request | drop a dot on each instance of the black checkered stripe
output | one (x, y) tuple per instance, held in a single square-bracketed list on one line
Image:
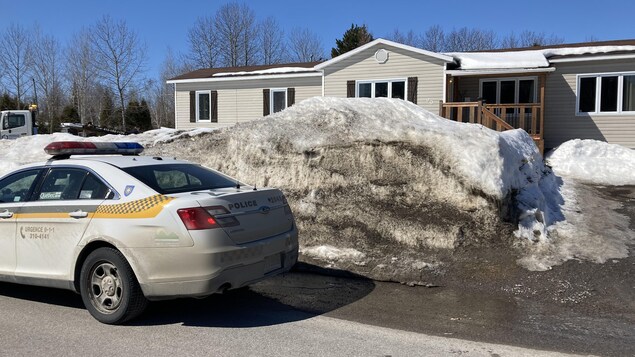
[(145, 205)]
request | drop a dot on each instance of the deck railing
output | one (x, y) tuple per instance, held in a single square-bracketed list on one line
[(500, 117)]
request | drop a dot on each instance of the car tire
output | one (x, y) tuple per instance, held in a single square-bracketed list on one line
[(109, 287)]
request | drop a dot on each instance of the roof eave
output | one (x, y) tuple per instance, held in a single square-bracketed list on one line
[(245, 77), (382, 41)]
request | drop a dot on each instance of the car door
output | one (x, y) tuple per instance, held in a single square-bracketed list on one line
[(14, 190), (50, 226)]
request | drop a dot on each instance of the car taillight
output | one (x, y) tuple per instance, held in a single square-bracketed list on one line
[(219, 212), (197, 218)]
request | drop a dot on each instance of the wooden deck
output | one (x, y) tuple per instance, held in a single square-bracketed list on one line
[(499, 117)]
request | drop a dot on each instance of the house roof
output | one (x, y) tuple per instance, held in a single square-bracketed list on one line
[(381, 41), (630, 42), (246, 71), (542, 56)]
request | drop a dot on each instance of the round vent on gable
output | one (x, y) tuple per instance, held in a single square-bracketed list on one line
[(381, 56)]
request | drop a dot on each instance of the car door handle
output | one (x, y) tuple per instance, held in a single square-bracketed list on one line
[(6, 214), (78, 214)]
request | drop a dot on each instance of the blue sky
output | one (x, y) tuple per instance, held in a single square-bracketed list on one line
[(163, 24)]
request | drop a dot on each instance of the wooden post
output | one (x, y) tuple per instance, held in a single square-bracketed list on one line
[(441, 111), (479, 112), (522, 118)]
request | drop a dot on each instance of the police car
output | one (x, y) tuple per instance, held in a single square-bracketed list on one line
[(125, 229)]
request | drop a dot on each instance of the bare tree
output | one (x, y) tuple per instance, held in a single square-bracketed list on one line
[(47, 70), (465, 39), (237, 34), (80, 73), (16, 60), (529, 39), (510, 41), (433, 39), (271, 41), (119, 57), (162, 98), (409, 38), (204, 43), (304, 46)]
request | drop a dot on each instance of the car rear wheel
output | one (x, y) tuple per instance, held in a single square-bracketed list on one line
[(109, 288)]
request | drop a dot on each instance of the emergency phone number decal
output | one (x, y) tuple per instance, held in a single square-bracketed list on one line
[(36, 232)]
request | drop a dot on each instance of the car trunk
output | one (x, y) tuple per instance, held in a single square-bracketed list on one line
[(259, 214)]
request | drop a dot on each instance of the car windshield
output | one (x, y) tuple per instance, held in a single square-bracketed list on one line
[(175, 178)]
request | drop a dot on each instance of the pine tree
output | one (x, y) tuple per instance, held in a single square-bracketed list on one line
[(353, 38)]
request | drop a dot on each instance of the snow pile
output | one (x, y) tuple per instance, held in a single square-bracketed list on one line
[(526, 59), (371, 171), (594, 162), (278, 70), (331, 253), (28, 149)]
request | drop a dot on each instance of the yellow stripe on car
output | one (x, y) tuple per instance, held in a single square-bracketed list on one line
[(144, 208)]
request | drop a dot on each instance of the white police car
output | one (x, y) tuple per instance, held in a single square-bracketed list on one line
[(125, 229)]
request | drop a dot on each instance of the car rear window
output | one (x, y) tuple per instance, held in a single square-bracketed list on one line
[(175, 178)]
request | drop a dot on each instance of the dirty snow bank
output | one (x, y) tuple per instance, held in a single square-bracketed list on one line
[(594, 162), (385, 176)]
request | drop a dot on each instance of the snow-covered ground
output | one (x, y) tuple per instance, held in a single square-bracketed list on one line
[(370, 178)]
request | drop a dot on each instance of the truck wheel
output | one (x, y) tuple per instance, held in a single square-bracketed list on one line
[(109, 288)]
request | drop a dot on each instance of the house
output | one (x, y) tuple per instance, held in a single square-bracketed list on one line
[(555, 93)]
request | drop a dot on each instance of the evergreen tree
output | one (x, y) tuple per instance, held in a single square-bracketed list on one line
[(138, 116), (7, 102), (353, 38)]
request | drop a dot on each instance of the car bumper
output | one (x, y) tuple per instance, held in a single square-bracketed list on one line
[(202, 270)]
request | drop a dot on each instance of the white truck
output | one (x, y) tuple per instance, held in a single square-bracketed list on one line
[(17, 123)]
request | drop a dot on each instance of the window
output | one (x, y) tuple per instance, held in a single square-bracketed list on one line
[(508, 90), (174, 178), (13, 121), (382, 89), (278, 100), (610, 93), (203, 102), (94, 189), (16, 187), (62, 184)]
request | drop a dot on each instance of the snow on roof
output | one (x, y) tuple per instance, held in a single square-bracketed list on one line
[(526, 59), (278, 70), (491, 60), (594, 162)]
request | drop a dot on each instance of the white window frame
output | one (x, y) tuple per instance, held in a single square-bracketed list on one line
[(372, 86), (209, 94), (286, 99), (516, 87), (598, 93)]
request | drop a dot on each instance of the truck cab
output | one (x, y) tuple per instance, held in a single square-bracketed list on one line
[(16, 123)]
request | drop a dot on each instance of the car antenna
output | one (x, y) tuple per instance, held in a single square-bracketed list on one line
[(237, 184), (255, 189)]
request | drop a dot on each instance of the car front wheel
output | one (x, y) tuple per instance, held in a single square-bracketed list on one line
[(109, 288)]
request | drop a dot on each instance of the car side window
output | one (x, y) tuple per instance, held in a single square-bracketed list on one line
[(93, 189), (62, 184), (73, 184), (16, 187)]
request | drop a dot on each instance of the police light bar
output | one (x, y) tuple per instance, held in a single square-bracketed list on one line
[(63, 148)]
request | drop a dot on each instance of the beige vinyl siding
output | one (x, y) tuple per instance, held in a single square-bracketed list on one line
[(400, 64), (241, 100), (561, 122)]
